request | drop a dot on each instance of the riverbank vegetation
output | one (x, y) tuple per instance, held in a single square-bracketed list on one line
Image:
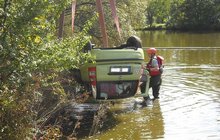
[(35, 65)]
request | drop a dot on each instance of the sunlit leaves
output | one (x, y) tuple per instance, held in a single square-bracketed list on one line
[(184, 14), (158, 11), (31, 57), (198, 14), (130, 13)]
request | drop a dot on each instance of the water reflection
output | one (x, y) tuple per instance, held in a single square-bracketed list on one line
[(134, 121), (180, 39), (191, 57), (154, 126)]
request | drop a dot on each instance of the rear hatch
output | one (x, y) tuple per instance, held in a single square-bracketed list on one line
[(115, 80), (117, 72)]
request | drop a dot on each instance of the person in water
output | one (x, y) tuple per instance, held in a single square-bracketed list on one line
[(155, 68)]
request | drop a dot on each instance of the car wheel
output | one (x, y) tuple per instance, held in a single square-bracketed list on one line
[(134, 41)]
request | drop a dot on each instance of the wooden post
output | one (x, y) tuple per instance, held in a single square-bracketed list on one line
[(115, 17), (102, 22), (61, 23), (73, 13)]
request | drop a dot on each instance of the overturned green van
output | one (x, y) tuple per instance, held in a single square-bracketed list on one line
[(115, 73)]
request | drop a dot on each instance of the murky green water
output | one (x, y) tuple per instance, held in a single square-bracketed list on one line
[(189, 104)]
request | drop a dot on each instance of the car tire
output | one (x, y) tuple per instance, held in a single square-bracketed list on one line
[(134, 42)]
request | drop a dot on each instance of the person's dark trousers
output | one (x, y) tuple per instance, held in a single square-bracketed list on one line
[(155, 82)]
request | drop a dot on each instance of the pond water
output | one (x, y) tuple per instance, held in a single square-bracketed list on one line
[(189, 104)]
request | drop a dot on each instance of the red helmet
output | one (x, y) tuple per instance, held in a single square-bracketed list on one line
[(151, 51)]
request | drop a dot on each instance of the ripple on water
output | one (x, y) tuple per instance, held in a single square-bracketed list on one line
[(190, 103)]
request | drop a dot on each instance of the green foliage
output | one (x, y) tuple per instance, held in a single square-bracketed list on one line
[(131, 16), (197, 13), (158, 11), (184, 14), (31, 58), (176, 14)]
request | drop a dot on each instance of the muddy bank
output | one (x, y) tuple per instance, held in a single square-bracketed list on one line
[(75, 120)]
